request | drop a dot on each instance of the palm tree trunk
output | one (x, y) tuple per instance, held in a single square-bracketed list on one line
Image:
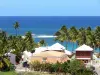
[(73, 47), (16, 32), (66, 44)]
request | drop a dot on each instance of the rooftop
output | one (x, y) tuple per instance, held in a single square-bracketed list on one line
[(84, 48)]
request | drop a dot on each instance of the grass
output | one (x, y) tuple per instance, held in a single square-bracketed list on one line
[(8, 73), (25, 73), (34, 73)]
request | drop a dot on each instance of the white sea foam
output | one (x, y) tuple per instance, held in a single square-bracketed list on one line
[(41, 36), (44, 36), (33, 34)]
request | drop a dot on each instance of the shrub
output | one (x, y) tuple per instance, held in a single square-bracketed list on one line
[(74, 67), (5, 64), (36, 66), (45, 66), (66, 67)]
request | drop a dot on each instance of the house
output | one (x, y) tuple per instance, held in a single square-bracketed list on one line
[(54, 47), (84, 53), (51, 54)]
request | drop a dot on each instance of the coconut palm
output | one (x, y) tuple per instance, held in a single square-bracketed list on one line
[(62, 35), (29, 41), (90, 38), (19, 45), (3, 43), (81, 38), (88, 31), (91, 41), (73, 35), (16, 26), (42, 43), (3, 49), (97, 37)]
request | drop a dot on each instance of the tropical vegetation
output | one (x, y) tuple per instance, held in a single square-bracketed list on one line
[(74, 67), (80, 36), (17, 44)]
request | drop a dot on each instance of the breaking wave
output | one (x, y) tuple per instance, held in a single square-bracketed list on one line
[(41, 36), (44, 36)]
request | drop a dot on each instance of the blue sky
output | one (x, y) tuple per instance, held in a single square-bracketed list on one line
[(49, 7)]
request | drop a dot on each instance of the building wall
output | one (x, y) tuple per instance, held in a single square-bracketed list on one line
[(49, 59), (83, 54)]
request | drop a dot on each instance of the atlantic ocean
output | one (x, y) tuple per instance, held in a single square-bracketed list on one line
[(46, 25)]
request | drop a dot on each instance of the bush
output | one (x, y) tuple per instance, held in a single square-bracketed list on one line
[(84, 71), (45, 67), (36, 66), (66, 67), (5, 64), (74, 67)]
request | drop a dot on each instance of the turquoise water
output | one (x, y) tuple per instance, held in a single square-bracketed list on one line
[(47, 25)]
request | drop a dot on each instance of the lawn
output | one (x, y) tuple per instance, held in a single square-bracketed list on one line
[(35, 73), (26, 73), (8, 73)]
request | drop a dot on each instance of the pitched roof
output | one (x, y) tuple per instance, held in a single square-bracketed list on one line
[(84, 48), (49, 54), (57, 46), (41, 49), (54, 47), (68, 52)]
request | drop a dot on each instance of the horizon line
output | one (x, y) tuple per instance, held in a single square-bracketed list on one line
[(49, 16)]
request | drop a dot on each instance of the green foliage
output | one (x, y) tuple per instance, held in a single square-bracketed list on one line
[(81, 36), (66, 67), (5, 64), (84, 72), (15, 44), (62, 35), (29, 42), (8, 73), (16, 26), (35, 65), (42, 43), (74, 67)]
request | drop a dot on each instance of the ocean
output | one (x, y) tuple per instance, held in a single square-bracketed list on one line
[(46, 26)]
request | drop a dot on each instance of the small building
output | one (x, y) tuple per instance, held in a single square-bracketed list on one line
[(12, 58), (84, 53), (55, 47), (50, 57), (51, 54)]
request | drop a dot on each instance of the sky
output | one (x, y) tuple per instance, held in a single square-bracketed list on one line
[(49, 7)]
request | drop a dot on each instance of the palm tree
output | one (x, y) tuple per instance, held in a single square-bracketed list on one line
[(97, 37), (29, 41), (73, 35), (62, 35), (81, 38), (3, 49), (88, 30), (90, 38), (91, 41), (16, 26), (42, 43), (3, 43)]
